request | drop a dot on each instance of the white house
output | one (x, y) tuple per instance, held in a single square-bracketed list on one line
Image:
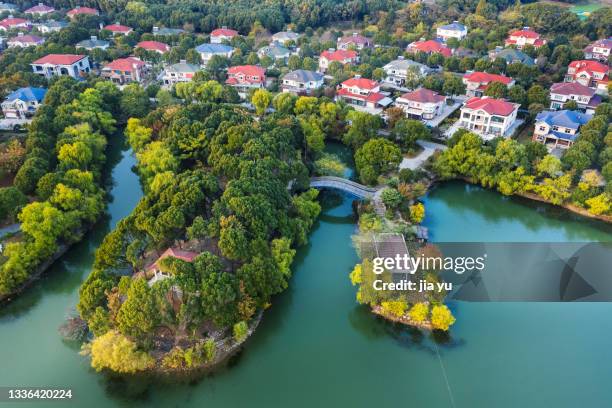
[(356, 41), (93, 43), (25, 40), (75, 66), (302, 82), (400, 71), (285, 37), (23, 103), (589, 73), (180, 72), (453, 30), (220, 35), (207, 51), (526, 36), (488, 117), (563, 92), (342, 56), (40, 10), (421, 103), (51, 26), (599, 50)]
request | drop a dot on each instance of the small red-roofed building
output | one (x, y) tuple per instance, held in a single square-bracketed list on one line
[(593, 74), (355, 40), (526, 36), (40, 10), (421, 103), (246, 77), (154, 46), (342, 56), (118, 29), (125, 70), (25, 40), (11, 23), (75, 66), (154, 271), (488, 117), (222, 34), (477, 82), (429, 47), (563, 92), (78, 10), (363, 94), (599, 50)]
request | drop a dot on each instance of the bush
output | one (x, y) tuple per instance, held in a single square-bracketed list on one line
[(441, 317), (11, 202), (419, 312), (241, 331), (396, 308)]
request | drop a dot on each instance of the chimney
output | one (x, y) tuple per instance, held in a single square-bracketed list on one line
[(94, 38), (357, 76), (331, 49), (183, 61), (400, 57), (10, 16), (155, 29)]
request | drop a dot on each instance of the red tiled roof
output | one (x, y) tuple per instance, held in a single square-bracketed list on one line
[(361, 83), (589, 66), (485, 78), (491, 106), (118, 28), (525, 33), (225, 32), (187, 256), (250, 70), (11, 22), (40, 8), (59, 59), (34, 39), (423, 95), (430, 46), (339, 55), (82, 10), (371, 97), (571, 88), (124, 64), (153, 46)]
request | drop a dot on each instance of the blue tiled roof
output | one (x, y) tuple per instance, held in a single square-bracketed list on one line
[(565, 136), (453, 26), (27, 94), (564, 118), (214, 48)]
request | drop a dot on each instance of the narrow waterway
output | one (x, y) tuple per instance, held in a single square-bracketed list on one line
[(317, 348)]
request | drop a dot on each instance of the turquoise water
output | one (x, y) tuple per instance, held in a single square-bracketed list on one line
[(317, 348)]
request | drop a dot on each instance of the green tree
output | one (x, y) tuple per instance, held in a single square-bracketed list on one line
[(408, 131), (116, 352), (497, 90), (137, 316), (376, 157), (261, 100)]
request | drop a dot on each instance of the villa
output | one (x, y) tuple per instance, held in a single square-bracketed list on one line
[(79, 11), (355, 41), (421, 104), (180, 72), (363, 94), (23, 103), (401, 70), (453, 30), (284, 37), (563, 92), (125, 70), (429, 47), (118, 29), (11, 23), (342, 56), (511, 56), (599, 50), (589, 73), (488, 117), (23, 41), (8, 8), (154, 46), (221, 35), (167, 31), (93, 43), (75, 66), (246, 77), (51, 26), (40, 10), (560, 128), (275, 51), (302, 82), (207, 51), (526, 36), (477, 82)]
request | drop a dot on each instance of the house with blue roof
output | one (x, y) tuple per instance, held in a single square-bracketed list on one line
[(511, 55), (452, 30), (559, 128), (209, 50), (23, 102)]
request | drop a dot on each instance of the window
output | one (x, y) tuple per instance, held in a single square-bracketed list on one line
[(555, 128)]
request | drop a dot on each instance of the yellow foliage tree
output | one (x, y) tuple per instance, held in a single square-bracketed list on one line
[(417, 213), (116, 352), (396, 308), (599, 204), (419, 312), (356, 275), (441, 317)]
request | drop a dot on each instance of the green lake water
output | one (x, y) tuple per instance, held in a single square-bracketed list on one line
[(317, 348)]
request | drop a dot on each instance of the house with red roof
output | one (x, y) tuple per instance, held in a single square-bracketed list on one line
[(526, 36), (356, 41), (246, 77), (118, 29), (155, 268), (589, 73), (488, 117), (220, 35), (40, 10), (429, 47), (25, 40), (342, 56), (72, 65), (599, 50), (125, 70), (363, 94), (11, 22), (154, 46), (78, 11), (421, 104), (477, 82), (563, 92)]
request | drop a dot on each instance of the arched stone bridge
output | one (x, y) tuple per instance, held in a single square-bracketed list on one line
[(348, 186)]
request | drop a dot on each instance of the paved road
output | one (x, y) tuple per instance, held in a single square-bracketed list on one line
[(428, 149)]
